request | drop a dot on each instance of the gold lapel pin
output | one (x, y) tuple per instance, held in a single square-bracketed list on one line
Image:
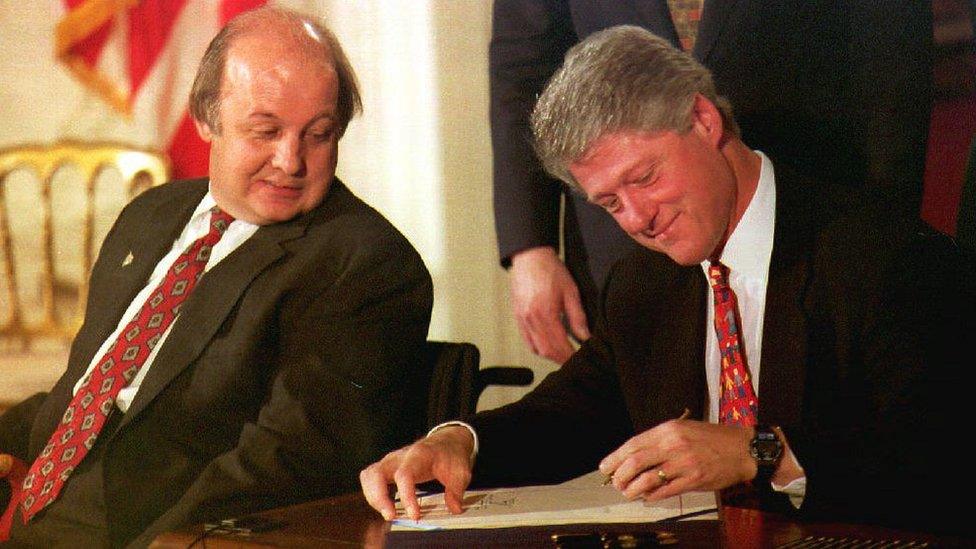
[(128, 259)]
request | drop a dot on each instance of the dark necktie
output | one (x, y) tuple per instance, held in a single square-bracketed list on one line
[(738, 404), (686, 14), (89, 409)]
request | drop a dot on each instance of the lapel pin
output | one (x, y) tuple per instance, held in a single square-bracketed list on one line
[(128, 259)]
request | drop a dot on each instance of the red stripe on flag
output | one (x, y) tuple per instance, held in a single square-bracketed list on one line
[(189, 154), (91, 47), (150, 25), (230, 8)]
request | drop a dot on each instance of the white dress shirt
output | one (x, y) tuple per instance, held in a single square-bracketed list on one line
[(197, 227), (747, 254)]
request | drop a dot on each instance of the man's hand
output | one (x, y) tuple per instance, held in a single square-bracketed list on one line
[(691, 455), (6, 463), (444, 456), (542, 292)]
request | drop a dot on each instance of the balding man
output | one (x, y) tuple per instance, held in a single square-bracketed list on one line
[(248, 337)]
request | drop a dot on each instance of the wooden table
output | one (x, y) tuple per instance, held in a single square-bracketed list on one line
[(347, 521)]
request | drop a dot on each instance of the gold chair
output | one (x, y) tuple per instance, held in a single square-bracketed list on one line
[(139, 169)]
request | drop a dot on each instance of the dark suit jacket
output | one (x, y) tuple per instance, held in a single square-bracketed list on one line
[(288, 371), (865, 364), (840, 90)]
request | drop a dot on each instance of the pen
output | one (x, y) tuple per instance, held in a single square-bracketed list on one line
[(609, 478)]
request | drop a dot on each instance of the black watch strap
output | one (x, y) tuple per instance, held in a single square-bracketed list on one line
[(767, 449)]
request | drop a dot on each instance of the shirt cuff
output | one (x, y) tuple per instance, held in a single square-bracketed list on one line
[(796, 489), (474, 435)]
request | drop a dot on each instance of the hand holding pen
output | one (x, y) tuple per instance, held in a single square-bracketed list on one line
[(608, 478), (680, 456)]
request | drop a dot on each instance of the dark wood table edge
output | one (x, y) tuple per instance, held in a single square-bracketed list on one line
[(347, 521)]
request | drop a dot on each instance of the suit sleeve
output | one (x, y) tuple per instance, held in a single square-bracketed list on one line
[(339, 398), (540, 439), (529, 39), (885, 401), (15, 426)]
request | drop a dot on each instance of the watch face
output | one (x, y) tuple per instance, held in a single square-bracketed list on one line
[(766, 446), (766, 450)]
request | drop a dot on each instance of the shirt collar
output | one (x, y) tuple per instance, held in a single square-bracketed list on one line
[(204, 207), (750, 245), (202, 212)]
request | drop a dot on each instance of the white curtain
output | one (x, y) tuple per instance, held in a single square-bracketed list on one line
[(421, 154)]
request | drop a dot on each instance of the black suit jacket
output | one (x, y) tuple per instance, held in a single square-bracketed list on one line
[(288, 371), (840, 90), (865, 364)]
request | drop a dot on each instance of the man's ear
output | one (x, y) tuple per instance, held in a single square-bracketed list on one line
[(707, 120), (203, 130)]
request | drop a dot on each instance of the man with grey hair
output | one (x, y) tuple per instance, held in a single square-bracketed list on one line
[(839, 90), (766, 333), (249, 337)]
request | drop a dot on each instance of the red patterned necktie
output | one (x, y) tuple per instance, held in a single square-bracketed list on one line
[(686, 15), (738, 404), (89, 409)]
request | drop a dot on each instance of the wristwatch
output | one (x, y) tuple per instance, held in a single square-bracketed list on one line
[(767, 449)]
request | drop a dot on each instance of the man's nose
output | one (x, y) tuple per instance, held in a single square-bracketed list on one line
[(288, 155), (635, 216)]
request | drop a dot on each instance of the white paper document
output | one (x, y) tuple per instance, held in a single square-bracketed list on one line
[(581, 500)]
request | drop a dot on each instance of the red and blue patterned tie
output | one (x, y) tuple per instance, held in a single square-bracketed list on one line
[(89, 409), (738, 404)]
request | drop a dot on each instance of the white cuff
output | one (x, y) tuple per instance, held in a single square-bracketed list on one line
[(474, 435), (796, 489)]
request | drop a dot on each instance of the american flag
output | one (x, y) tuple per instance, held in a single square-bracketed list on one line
[(147, 76)]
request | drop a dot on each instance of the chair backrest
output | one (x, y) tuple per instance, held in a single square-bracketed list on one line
[(139, 169), (453, 380), (457, 380), (966, 220)]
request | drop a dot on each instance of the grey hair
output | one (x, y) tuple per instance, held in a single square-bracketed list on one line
[(621, 78), (312, 35)]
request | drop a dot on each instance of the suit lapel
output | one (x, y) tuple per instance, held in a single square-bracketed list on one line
[(655, 16), (146, 246), (210, 304), (784, 347), (661, 356), (673, 367), (715, 14), (131, 263), (680, 351)]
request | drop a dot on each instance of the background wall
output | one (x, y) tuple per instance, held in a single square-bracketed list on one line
[(420, 154)]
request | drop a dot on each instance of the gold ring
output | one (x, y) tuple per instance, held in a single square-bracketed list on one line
[(663, 476)]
